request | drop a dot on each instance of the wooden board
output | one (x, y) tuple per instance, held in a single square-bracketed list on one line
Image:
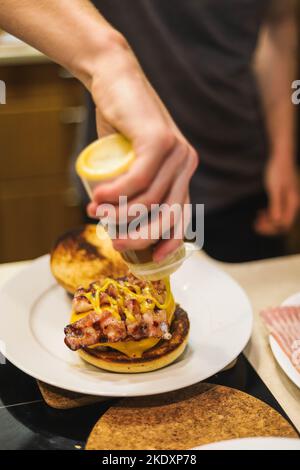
[(185, 419)]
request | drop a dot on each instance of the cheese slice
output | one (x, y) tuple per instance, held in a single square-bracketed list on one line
[(131, 348)]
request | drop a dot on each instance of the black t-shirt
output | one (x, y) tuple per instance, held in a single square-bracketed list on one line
[(198, 54)]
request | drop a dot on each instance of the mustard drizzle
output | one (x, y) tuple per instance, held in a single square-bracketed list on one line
[(141, 298)]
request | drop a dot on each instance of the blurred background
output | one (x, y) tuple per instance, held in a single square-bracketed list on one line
[(41, 128)]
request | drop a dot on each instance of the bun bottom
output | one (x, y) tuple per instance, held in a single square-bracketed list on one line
[(161, 355)]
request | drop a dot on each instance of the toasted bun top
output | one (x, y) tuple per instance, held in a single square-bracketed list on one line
[(84, 255)]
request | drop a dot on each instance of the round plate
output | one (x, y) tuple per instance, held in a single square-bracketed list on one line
[(34, 311), (254, 443), (279, 355)]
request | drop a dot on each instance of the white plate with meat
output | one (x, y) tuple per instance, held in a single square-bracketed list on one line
[(285, 339), (34, 311)]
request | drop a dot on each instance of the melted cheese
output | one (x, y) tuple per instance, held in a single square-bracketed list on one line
[(129, 348)]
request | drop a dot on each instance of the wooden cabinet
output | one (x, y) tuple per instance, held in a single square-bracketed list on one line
[(38, 130)]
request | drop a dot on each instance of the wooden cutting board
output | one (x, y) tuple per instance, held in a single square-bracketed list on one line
[(185, 419)]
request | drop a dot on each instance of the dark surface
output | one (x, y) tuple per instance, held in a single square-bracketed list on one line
[(239, 242), (26, 422)]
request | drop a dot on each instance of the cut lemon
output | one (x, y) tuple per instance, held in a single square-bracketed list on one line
[(105, 158)]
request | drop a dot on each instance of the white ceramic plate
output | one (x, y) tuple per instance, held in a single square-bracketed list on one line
[(279, 355), (34, 311), (254, 443)]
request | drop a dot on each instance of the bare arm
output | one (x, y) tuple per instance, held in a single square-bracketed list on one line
[(74, 34), (276, 67)]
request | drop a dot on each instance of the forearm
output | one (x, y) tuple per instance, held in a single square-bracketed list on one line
[(276, 68), (71, 32), (75, 35)]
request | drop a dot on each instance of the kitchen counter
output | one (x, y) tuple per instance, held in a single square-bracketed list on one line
[(15, 52), (268, 283)]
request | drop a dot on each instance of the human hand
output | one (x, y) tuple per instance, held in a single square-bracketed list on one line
[(281, 184), (165, 161)]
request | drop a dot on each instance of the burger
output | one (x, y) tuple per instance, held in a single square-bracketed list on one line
[(127, 325)]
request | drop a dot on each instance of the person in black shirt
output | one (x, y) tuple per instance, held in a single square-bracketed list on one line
[(199, 55)]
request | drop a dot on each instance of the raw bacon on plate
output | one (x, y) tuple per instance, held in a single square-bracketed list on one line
[(283, 324)]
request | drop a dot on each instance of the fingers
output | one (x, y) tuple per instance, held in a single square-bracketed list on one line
[(139, 177), (158, 189), (264, 225), (170, 213), (159, 226), (176, 173), (283, 192), (291, 208), (92, 209), (271, 221), (276, 204), (178, 162), (166, 247)]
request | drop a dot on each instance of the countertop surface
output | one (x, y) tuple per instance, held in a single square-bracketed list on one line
[(268, 283), (15, 52), (28, 423)]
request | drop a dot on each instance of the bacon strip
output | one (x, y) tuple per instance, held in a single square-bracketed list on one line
[(283, 324), (132, 324), (102, 328), (92, 329)]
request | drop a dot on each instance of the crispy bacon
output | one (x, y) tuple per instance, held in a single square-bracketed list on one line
[(156, 324), (84, 332), (80, 303), (102, 326), (112, 329), (133, 307), (94, 328)]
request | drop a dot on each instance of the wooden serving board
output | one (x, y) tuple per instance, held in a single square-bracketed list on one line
[(184, 419)]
